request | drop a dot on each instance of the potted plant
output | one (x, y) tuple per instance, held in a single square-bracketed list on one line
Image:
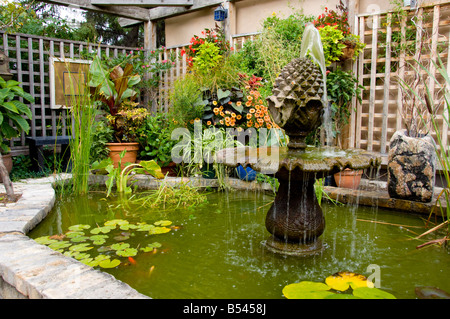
[(342, 86), (15, 112), (114, 88), (339, 43), (154, 137), (412, 151)]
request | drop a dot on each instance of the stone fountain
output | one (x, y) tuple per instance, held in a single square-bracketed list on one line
[(295, 219)]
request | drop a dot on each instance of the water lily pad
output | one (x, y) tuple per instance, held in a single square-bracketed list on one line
[(150, 247), (307, 290), (90, 262), (45, 240), (159, 230), (163, 223), (60, 245), (128, 227), (102, 257), (79, 227), (121, 237), (79, 239), (98, 239), (372, 293), (104, 248), (73, 233), (120, 246), (145, 227), (128, 252), (107, 263), (81, 256), (342, 281), (115, 222), (80, 247), (104, 230)]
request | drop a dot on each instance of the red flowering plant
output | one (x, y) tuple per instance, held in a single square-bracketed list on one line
[(215, 36), (335, 33), (337, 18)]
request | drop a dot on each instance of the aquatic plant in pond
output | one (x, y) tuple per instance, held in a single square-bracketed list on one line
[(342, 285), (105, 246)]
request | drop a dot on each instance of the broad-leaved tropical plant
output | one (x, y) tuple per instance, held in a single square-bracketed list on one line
[(13, 112)]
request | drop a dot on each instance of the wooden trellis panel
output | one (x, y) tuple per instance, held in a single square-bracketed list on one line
[(29, 63), (385, 60)]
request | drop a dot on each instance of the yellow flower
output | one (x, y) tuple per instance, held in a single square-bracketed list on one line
[(233, 114), (214, 102), (238, 103), (221, 122), (252, 111)]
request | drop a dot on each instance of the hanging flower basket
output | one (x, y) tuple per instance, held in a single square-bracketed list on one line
[(348, 51)]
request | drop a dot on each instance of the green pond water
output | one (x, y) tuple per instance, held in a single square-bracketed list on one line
[(215, 251)]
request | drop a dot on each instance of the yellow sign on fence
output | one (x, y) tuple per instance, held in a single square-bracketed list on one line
[(68, 80)]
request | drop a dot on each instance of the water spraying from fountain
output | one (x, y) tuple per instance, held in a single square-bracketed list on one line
[(295, 219)]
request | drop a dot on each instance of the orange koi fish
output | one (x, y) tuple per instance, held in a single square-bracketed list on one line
[(132, 261)]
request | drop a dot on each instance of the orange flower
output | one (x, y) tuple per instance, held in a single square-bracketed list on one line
[(238, 103), (256, 125), (221, 122), (249, 97), (249, 116), (267, 118), (233, 114), (269, 126), (248, 103), (260, 121), (249, 124), (238, 116), (208, 123), (252, 111), (216, 110), (222, 114), (260, 101), (191, 121)]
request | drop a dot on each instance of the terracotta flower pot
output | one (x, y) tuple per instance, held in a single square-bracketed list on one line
[(116, 148), (8, 162), (170, 169), (348, 178)]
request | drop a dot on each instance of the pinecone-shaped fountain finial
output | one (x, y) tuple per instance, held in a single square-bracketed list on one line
[(296, 104)]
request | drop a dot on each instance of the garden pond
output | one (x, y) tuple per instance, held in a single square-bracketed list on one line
[(214, 250)]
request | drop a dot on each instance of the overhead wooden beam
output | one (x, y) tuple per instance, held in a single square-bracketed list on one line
[(143, 3), (167, 12), (135, 13)]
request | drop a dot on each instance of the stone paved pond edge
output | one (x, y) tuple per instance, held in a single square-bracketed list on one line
[(34, 271)]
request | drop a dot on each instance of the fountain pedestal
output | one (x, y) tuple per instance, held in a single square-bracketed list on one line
[(295, 219)]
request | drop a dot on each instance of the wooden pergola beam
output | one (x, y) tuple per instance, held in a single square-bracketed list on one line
[(144, 3), (135, 13), (167, 12)]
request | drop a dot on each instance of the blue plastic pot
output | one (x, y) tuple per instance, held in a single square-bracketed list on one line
[(246, 174)]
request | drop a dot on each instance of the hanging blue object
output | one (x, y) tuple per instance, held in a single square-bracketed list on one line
[(220, 13)]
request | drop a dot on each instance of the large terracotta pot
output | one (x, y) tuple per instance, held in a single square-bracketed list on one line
[(116, 148), (348, 178), (8, 162)]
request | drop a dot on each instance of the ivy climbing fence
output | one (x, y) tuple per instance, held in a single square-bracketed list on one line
[(394, 42)]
